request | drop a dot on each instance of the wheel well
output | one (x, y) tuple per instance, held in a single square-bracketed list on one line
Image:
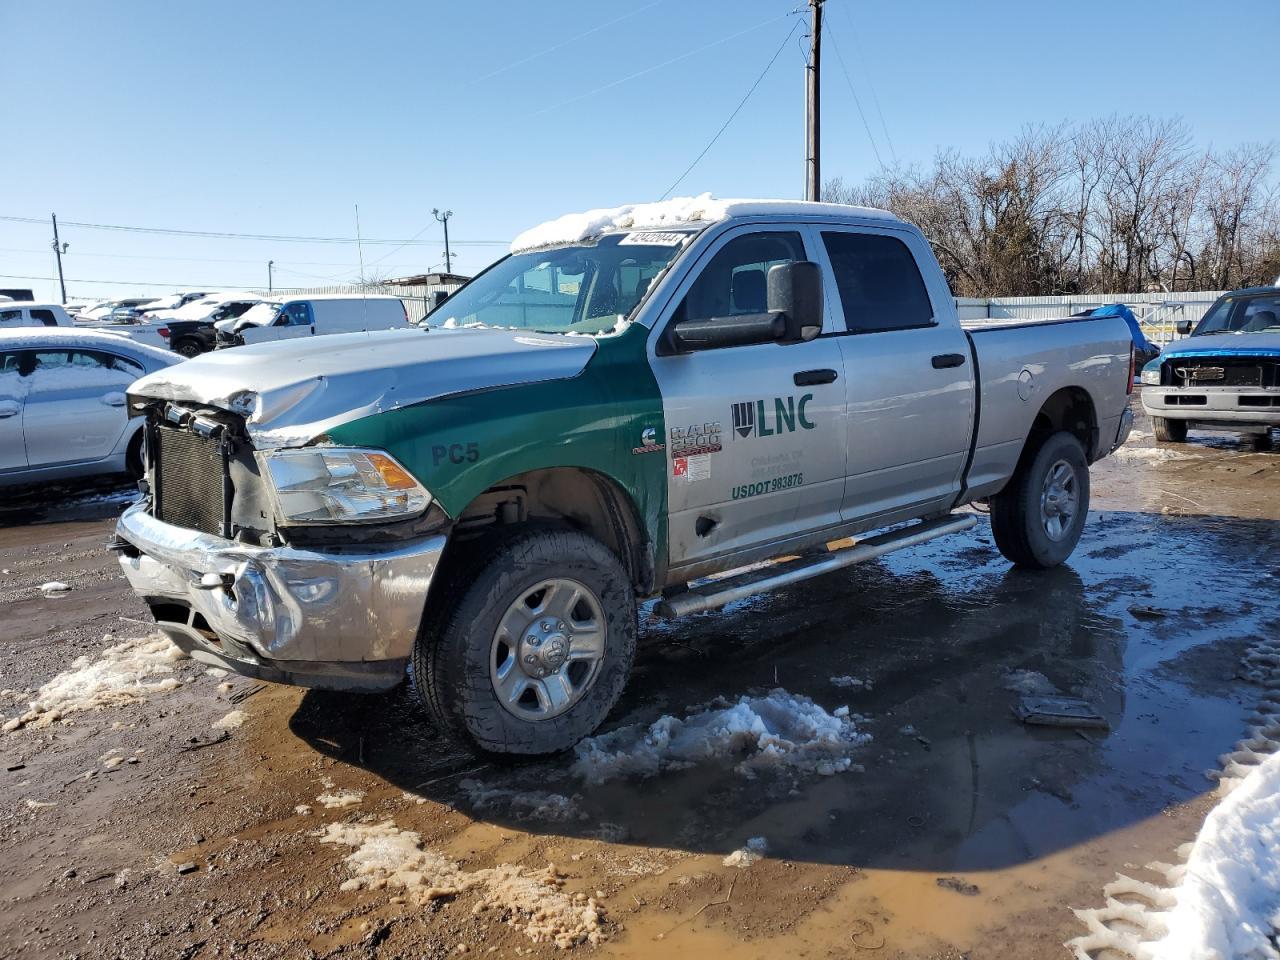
[(1070, 409), (570, 497)]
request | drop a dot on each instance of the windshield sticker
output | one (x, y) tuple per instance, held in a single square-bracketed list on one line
[(692, 469), (750, 418), (696, 439), (649, 442), (653, 239)]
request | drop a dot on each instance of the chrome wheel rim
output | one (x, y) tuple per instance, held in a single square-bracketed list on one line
[(547, 649), (1059, 500)]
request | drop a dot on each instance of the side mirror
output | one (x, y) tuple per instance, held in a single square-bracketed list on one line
[(438, 298), (794, 303), (1184, 328)]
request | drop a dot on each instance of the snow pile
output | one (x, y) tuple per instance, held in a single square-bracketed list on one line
[(231, 721), (1029, 683), (532, 901), (1228, 901), (575, 227), (522, 804), (125, 673), (777, 730), (339, 799), (53, 588), (745, 856)]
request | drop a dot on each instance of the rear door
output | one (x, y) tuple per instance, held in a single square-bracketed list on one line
[(910, 378), (13, 392), (755, 434), (75, 408)]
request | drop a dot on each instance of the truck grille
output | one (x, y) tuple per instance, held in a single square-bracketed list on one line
[(1224, 372), (190, 481)]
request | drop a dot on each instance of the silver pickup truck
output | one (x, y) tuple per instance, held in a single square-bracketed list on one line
[(636, 403)]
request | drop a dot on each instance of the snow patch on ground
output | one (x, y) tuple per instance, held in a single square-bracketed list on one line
[(1155, 454), (339, 799), (522, 804), (1228, 901), (1029, 683), (124, 673), (746, 855), (850, 683), (54, 587), (232, 721), (532, 901), (780, 730)]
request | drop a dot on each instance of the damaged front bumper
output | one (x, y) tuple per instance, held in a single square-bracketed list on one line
[(343, 618)]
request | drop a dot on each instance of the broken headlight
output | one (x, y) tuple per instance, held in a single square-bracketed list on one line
[(341, 485)]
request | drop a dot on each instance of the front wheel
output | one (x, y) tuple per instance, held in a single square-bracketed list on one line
[(533, 645), (1038, 517), (1169, 431)]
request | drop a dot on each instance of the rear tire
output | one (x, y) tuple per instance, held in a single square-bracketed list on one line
[(1261, 441), (477, 668), (1169, 431), (188, 349), (1038, 517)]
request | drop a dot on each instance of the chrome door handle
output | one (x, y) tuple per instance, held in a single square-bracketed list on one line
[(812, 378)]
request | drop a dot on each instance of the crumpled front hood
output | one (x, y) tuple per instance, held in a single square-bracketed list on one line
[(1213, 344), (292, 391)]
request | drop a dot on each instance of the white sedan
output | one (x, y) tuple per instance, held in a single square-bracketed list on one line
[(62, 403)]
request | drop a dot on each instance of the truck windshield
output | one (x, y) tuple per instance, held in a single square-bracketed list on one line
[(1242, 315), (585, 288)]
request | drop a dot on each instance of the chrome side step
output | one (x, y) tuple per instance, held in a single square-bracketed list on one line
[(709, 596)]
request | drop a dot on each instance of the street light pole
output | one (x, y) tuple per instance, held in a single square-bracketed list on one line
[(58, 250), (813, 106), (444, 218), (270, 264)]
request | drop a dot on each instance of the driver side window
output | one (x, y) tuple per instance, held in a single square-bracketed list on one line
[(735, 282)]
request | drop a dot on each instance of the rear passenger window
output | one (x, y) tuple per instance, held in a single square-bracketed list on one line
[(45, 316), (880, 285)]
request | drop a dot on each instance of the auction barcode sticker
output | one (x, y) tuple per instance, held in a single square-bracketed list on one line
[(653, 239)]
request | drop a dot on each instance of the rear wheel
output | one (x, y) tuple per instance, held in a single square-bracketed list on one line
[(534, 646), (1169, 431), (1038, 517), (188, 348)]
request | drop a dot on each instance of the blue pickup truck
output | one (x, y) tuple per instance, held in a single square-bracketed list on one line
[(1225, 375)]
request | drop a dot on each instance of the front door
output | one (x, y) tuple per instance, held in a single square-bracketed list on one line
[(755, 434), (292, 321), (75, 410), (13, 391), (910, 383)]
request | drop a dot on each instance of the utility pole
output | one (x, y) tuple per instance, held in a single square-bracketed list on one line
[(59, 249), (813, 106), (444, 218), (270, 264)]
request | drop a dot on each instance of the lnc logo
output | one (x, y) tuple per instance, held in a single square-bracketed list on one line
[(750, 417)]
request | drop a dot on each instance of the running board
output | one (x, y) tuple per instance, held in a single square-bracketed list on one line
[(710, 596)]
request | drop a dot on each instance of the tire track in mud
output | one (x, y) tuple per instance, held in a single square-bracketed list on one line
[(1133, 910)]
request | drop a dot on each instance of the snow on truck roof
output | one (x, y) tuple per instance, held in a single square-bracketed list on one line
[(677, 212)]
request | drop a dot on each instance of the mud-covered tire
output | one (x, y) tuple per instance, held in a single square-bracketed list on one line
[(1169, 431), (1019, 518), (451, 659)]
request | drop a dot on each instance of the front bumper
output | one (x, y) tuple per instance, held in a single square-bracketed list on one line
[(1241, 406), (344, 618)]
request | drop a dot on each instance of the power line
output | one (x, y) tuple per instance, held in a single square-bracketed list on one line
[(741, 103), (224, 235), (875, 97), (143, 256), (142, 283), (858, 103)]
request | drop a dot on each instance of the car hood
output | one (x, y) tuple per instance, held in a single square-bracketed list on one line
[(1214, 344), (292, 391)]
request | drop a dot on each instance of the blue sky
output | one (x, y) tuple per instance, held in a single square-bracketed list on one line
[(277, 117)]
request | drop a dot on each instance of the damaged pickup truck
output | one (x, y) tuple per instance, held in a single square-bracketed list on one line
[(634, 400)]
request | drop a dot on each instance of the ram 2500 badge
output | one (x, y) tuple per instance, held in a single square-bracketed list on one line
[(632, 400)]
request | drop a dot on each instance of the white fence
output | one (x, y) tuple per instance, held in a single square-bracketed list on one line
[(1158, 313), (417, 299)]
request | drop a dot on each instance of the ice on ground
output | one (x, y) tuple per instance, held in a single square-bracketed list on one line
[(1151, 453), (1029, 683), (1228, 900), (340, 799), (780, 730), (385, 856), (851, 683), (232, 721), (522, 804), (124, 673), (54, 587), (749, 853)]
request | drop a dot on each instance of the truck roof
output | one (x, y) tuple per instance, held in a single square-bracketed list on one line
[(678, 212)]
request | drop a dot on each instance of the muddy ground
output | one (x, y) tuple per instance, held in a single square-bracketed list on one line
[(964, 834)]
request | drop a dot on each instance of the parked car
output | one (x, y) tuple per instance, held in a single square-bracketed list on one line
[(62, 403), (191, 327), (691, 389), (153, 333), (17, 293), (100, 310), (173, 302), (1225, 375), (286, 318), (21, 313)]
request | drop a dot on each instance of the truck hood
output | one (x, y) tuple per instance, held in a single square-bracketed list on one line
[(1216, 344), (293, 391)]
